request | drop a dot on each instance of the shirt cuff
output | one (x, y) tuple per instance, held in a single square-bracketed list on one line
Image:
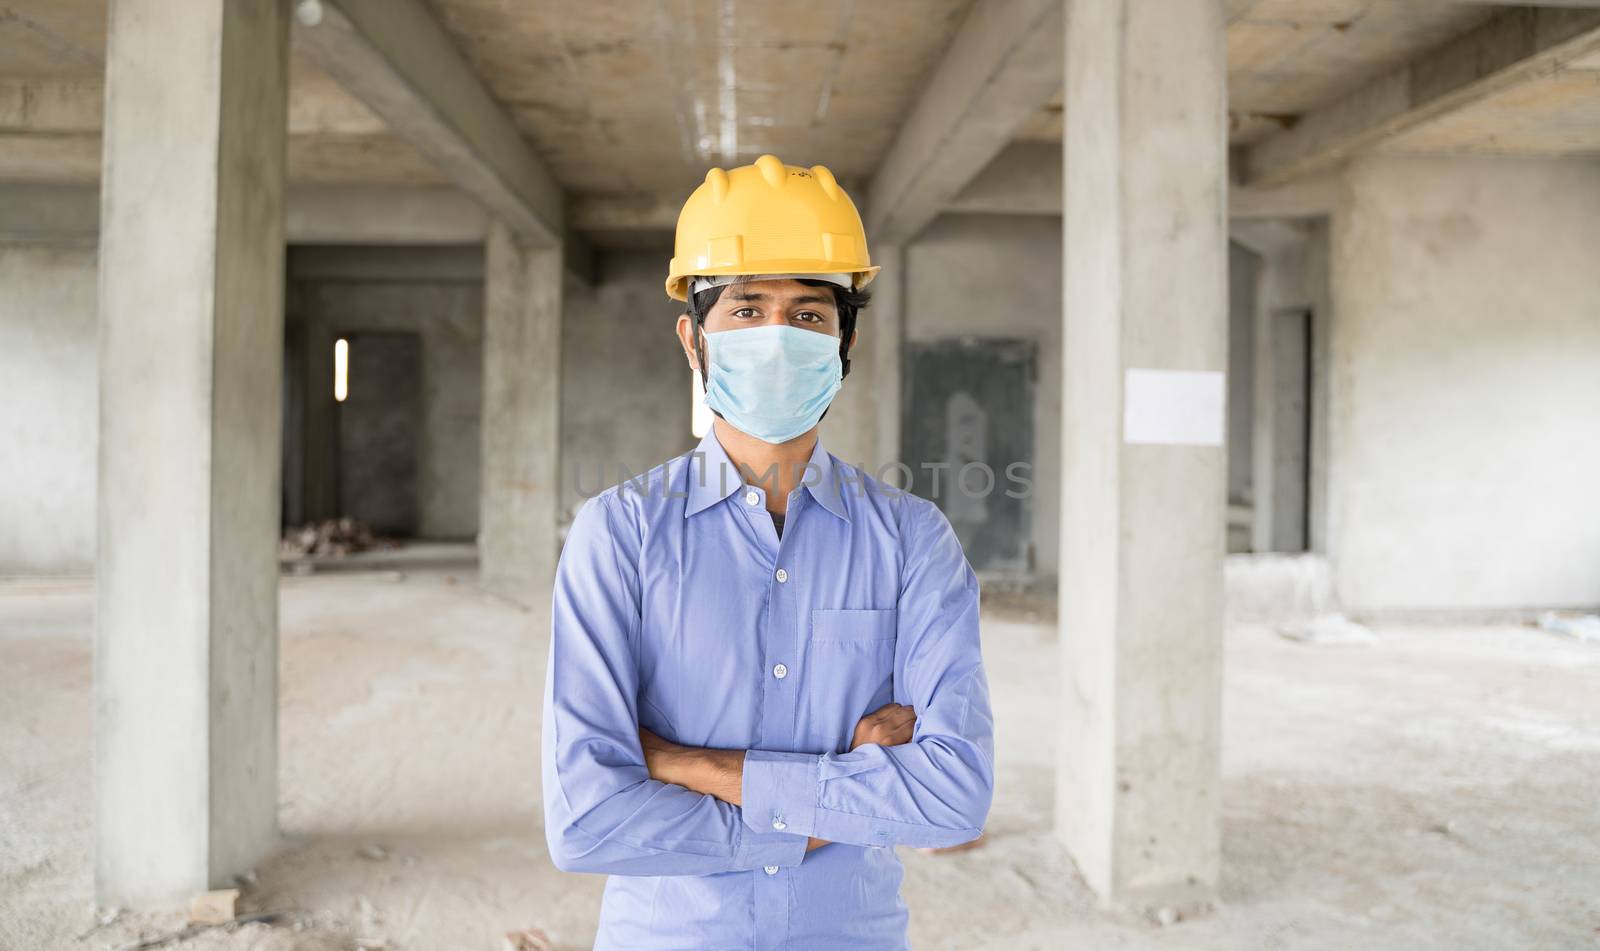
[(768, 849), (778, 791)]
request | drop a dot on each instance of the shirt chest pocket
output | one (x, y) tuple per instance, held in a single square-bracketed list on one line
[(850, 672)]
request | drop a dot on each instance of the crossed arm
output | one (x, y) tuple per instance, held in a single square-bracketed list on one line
[(720, 773), (621, 801)]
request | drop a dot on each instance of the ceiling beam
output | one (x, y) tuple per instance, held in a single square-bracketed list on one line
[(394, 57), (314, 214), (1025, 179), (1268, 238), (601, 213), (1513, 47), (53, 106), (1002, 67)]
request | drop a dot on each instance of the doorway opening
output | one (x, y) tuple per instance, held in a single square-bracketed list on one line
[(377, 426)]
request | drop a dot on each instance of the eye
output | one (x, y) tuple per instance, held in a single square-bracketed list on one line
[(745, 312), (811, 317)]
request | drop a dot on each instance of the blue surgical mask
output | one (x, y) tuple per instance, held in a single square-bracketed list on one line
[(773, 381)]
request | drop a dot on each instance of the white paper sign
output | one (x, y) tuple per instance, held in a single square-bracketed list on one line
[(1173, 407)]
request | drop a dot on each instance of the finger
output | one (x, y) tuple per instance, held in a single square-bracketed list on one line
[(893, 713)]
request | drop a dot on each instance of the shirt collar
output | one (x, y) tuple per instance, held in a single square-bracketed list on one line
[(713, 477)]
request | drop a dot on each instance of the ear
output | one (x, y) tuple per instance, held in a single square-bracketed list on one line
[(686, 331), (854, 334)]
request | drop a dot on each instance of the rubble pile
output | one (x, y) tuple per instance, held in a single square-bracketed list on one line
[(333, 536)]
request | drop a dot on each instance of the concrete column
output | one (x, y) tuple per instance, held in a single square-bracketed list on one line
[(850, 427), (520, 501), (863, 422), (888, 322), (1143, 469), (191, 344)]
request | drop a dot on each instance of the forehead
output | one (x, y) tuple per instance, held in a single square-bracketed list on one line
[(785, 290)]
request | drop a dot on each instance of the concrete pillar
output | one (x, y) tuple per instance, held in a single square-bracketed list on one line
[(863, 422), (520, 502), (850, 427), (888, 322), (191, 343), (1143, 477)]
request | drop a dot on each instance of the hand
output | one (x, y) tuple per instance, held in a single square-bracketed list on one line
[(890, 725)]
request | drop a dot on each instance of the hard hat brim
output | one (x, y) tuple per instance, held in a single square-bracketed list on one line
[(678, 283)]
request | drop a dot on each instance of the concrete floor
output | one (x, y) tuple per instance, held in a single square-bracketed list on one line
[(1436, 790)]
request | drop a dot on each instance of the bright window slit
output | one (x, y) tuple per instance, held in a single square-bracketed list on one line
[(341, 369)]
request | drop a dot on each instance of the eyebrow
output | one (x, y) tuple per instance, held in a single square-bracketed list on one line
[(758, 296)]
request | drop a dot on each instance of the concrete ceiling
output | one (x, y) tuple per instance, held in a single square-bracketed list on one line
[(1286, 57), (52, 60), (1554, 115), (640, 96), (633, 99)]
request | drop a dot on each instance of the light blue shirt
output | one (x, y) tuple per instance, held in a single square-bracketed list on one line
[(678, 608)]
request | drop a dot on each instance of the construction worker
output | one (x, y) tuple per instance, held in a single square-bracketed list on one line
[(764, 665)]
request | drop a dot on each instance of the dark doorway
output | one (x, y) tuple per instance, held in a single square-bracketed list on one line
[(379, 426), (968, 439), (1291, 431)]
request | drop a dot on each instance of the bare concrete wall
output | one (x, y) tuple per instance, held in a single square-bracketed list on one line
[(626, 394), (1000, 276), (1465, 390), (343, 291), (626, 389), (49, 413)]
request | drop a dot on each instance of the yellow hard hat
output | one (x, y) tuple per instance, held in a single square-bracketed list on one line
[(768, 218)]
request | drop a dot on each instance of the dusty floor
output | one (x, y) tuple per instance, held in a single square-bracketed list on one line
[(1440, 789)]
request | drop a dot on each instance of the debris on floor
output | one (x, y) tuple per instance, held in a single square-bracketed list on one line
[(1327, 629), (1585, 627), (184, 934), (214, 908), (528, 939), (333, 536), (103, 919)]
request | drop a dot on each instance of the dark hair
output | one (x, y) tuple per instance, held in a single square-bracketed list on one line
[(849, 302)]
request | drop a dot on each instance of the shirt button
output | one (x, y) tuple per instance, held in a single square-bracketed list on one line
[(770, 869), (781, 575), (779, 824), (780, 671), (751, 498)]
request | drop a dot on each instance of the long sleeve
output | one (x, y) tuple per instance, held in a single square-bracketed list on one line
[(603, 812), (935, 790)]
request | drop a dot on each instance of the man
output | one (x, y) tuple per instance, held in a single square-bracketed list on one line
[(764, 665)]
